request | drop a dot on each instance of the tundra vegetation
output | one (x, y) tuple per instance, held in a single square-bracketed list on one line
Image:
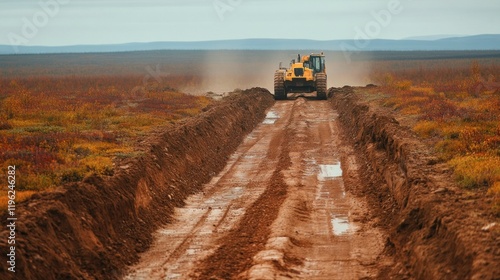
[(59, 129), (455, 105)]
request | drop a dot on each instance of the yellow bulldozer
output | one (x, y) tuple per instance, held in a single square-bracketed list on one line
[(306, 75)]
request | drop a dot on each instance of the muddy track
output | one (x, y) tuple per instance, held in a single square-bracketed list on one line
[(211, 214), (283, 208)]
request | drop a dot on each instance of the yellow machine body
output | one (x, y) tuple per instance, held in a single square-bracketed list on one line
[(305, 75)]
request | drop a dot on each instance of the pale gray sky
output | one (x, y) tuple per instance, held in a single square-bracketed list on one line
[(70, 22)]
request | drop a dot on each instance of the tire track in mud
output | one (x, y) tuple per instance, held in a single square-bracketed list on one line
[(211, 214), (321, 230), (234, 255)]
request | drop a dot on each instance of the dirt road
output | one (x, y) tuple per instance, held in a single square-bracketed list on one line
[(290, 203), (278, 210)]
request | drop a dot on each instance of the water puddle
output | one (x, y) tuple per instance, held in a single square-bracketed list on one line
[(328, 171), (192, 251), (271, 117), (340, 225), (250, 156)]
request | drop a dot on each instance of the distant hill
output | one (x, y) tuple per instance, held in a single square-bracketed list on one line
[(432, 37), (477, 42)]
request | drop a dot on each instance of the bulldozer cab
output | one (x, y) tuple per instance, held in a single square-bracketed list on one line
[(317, 63)]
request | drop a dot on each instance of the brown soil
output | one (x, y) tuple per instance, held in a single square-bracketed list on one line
[(93, 229), (235, 254)]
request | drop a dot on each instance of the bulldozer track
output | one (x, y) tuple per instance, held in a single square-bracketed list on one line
[(321, 86), (279, 87)]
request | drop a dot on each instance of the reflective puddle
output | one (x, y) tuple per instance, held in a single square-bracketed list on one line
[(340, 225), (329, 171), (271, 117)]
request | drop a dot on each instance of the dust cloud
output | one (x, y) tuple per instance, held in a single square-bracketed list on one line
[(226, 70), (354, 71)]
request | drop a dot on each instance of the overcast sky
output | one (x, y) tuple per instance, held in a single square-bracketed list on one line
[(70, 22)]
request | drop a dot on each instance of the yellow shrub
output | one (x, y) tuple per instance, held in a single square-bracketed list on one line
[(424, 90), (411, 110), (403, 85), (96, 147), (450, 148), (69, 174), (427, 128), (36, 182), (204, 101), (98, 165), (25, 123), (474, 171), (188, 112), (461, 95)]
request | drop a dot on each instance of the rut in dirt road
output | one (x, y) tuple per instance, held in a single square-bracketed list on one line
[(279, 210), (320, 225), (210, 215)]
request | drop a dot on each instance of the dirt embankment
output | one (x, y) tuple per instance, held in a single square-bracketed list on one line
[(93, 229), (436, 229)]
